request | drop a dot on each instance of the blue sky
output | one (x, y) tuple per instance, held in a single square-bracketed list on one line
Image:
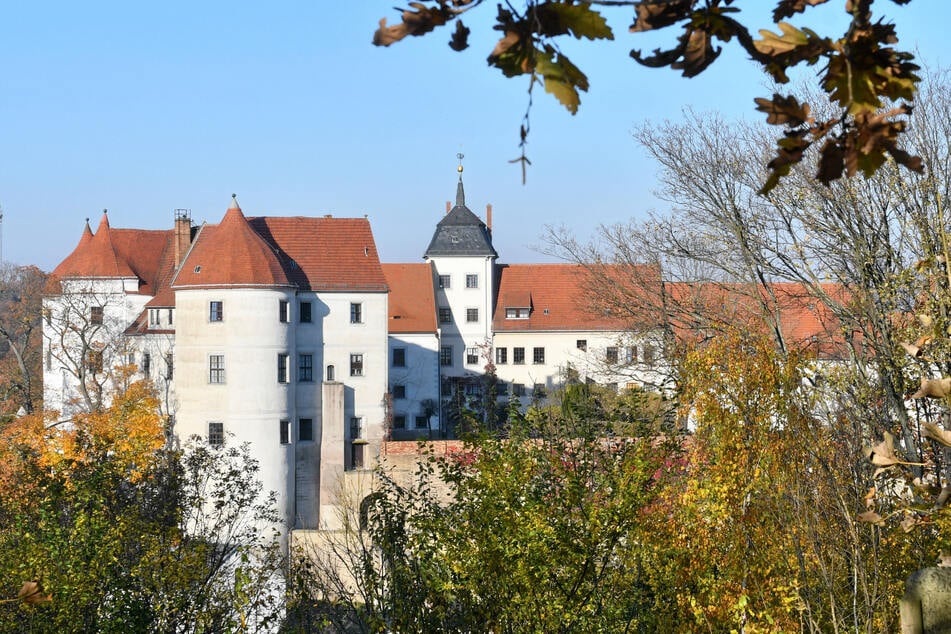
[(143, 108)]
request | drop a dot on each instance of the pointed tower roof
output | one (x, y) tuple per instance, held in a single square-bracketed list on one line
[(460, 232), (95, 255), (230, 254)]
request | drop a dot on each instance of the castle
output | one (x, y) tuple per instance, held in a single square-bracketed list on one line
[(288, 333)]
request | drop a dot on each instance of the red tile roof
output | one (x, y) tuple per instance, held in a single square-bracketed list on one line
[(230, 254), (412, 302), (559, 296), (325, 254)]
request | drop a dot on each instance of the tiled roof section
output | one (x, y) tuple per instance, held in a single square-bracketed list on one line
[(805, 321), (461, 233), (412, 302), (558, 296), (95, 256), (230, 254), (324, 254), (144, 251)]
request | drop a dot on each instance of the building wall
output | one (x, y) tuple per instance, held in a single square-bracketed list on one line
[(419, 377), (459, 333)]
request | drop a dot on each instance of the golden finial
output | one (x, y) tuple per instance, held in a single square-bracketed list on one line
[(460, 156)]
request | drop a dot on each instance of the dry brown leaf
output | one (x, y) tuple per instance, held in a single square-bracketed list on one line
[(32, 592), (910, 522), (872, 518), (925, 320), (870, 499), (911, 349), (933, 388), (932, 431), (883, 454)]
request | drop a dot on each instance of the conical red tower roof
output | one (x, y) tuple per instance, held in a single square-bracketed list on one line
[(94, 256), (230, 254)]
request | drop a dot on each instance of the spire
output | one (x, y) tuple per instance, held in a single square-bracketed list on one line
[(234, 202), (460, 192)]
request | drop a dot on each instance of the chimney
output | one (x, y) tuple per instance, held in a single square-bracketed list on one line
[(488, 218), (447, 207), (183, 234)]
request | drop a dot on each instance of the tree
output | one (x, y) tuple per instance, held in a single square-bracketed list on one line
[(121, 533), (870, 83), (539, 531), (21, 293)]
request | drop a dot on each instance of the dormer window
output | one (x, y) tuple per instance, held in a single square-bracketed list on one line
[(520, 312), (154, 317)]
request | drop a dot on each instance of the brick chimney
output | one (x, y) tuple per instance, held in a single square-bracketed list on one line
[(183, 234), (448, 207), (488, 218)]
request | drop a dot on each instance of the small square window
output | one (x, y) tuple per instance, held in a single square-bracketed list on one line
[(216, 434), (356, 365), (444, 281), (216, 368), (472, 315), (356, 313), (305, 312), (538, 356), (501, 356), (399, 391), (518, 356), (445, 356), (399, 421), (445, 315), (472, 280), (282, 370), (518, 389), (305, 368), (399, 357), (284, 311), (581, 344), (610, 354), (285, 432), (422, 422), (216, 311), (472, 356), (95, 315), (539, 391), (305, 429)]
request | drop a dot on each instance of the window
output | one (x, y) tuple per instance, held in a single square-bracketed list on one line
[(94, 360), (445, 315), (305, 429), (330, 373), (154, 317), (216, 311), (399, 357), (444, 281), (147, 364), (216, 368), (49, 359), (282, 372), (538, 355), (539, 391), (611, 387), (445, 387), (518, 389), (356, 313), (171, 312), (305, 368), (356, 365), (356, 427), (305, 312), (284, 311), (445, 356), (216, 434), (422, 422), (356, 454), (581, 344), (517, 313), (169, 367), (399, 421), (95, 315), (630, 354), (285, 431), (648, 355), (501, 356), (472, 280), (611, 354), (399, 391), (472, 315), (472, 356), (518, 356)]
